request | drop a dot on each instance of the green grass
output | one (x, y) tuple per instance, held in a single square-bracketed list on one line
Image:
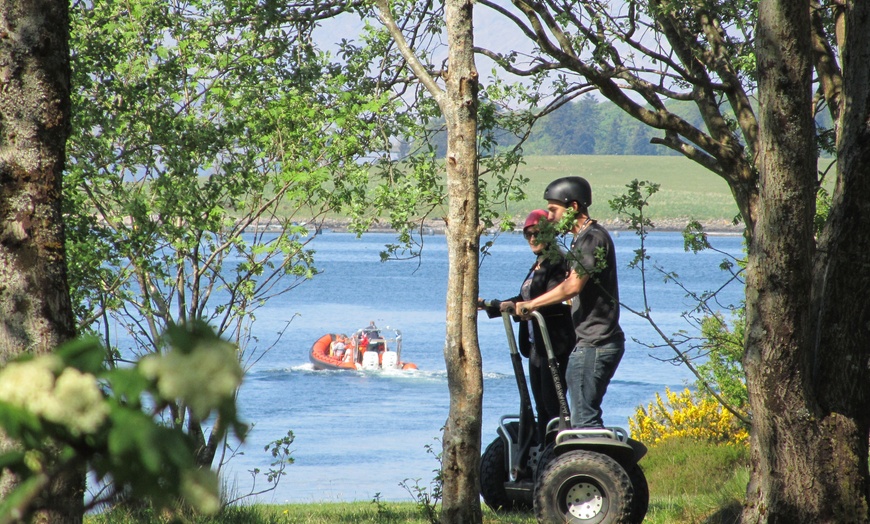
[(689, 482), (695, 482), (687, 191), (312, 513)]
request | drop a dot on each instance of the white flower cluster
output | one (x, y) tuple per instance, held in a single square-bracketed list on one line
[(203, 379), (72, 399)]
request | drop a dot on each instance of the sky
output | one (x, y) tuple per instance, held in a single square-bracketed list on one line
[(491, 31)]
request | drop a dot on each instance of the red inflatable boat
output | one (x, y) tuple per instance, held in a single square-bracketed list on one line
[(367, 348)]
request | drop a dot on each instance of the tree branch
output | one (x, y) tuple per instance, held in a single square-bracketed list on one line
[(386, 17), (830, 76)]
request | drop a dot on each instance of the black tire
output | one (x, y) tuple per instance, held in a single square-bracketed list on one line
[(640, 500), (583, 487), (493, 475), (545, 458)]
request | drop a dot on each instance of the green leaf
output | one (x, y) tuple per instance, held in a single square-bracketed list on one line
[(13, 460), (85, 354), (22, 425), (134, 439)]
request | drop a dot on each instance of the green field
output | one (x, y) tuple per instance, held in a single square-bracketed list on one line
[(687, 190)]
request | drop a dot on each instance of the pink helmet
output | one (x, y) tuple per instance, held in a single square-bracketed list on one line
[(535, 217)]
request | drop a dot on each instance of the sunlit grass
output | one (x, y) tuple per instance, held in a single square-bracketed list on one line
[(686, 190), (311, 513), (689, 482), (696, 482)]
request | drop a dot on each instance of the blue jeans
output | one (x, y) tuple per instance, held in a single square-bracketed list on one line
[(589, 372)]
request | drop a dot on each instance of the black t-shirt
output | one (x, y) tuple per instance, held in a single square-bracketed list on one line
[(595, 310)]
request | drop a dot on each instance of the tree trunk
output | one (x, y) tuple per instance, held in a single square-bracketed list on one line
[(807, 325), (34, 124), (461, 455), (841, 378), (460, 458)]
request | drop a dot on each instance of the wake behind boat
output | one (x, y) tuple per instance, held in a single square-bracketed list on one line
[(367, 349)]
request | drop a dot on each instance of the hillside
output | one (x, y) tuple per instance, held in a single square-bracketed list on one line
[(687, 191)]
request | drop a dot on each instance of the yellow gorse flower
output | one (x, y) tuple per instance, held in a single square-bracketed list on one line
[(687, 416)]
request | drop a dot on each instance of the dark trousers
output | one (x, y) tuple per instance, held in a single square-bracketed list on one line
[(543, 389), (589, 372)]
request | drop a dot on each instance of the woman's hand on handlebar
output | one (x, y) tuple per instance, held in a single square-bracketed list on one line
[(506, 306)]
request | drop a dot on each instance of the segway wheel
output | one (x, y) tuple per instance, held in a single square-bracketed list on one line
[(584, 487), (546, 456), (640, 500), (493, 475)]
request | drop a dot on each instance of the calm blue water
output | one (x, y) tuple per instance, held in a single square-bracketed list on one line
[(359, 434)]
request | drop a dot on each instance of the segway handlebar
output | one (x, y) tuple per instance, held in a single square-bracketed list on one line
[(564, 416), (485, 303), (508, 327), (539, 318)]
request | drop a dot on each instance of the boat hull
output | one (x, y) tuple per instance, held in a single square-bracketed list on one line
[(322, 360)]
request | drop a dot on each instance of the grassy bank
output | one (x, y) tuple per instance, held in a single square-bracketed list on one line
[(689, 482), (687, 190)]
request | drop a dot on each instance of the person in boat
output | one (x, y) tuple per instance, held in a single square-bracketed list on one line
[(547, 272), (373, 338), (362, 346), (338, 347), (348, 352)]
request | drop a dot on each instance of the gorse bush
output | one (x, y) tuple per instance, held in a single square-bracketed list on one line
[(685, 415)]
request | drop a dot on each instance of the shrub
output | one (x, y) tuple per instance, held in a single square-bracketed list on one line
[(686, 416), (723, 367)]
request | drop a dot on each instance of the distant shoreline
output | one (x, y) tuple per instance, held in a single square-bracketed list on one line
[(438, 227)]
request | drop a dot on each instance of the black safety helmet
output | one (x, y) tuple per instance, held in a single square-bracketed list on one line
[(570, 189)]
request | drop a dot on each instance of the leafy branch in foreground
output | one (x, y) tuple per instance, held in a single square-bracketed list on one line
[(68, 404)]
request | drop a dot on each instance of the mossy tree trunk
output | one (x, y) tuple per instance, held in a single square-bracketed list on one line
[(808, 326), (34, 125)]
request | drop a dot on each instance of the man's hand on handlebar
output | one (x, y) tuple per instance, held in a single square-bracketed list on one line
[(523, 310)]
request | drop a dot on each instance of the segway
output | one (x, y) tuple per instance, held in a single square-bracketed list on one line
[(509, 463), (585, 476)]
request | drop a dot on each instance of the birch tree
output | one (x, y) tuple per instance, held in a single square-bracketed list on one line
[(456, 97)]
